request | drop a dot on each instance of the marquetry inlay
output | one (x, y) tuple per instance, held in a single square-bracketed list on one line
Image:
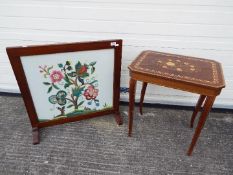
[(202, 71)]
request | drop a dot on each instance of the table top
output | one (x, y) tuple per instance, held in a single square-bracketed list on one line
[(197, 71)]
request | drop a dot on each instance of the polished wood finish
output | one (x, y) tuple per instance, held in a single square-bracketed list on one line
[(14, 54), (35, 136), (197, 109), (143, 91), (116, 82), (196, 75), (118, 118), (132, 88), (207, 107), (197, 72)]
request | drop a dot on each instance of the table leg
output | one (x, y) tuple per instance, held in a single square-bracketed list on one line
[(197, 109), (118, 118), (207, 107), (132, 88), (143, 91), (35, 136)]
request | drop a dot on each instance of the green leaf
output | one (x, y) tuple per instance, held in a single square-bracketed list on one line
[(60, 65), (84, 75), (80, 103), (49, 90), (66, 78), (77, 91), (92, 70), (72, 74), (67, 63), (69, 68), (67, 85), (78, 66), (81, 80), (46, 83), (69, 106), (93, 81), (92, 63), (55, 86)]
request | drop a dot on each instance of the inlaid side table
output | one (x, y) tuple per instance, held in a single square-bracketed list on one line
[(196, 75)]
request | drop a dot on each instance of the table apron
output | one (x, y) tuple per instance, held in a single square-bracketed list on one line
[(184, 86)]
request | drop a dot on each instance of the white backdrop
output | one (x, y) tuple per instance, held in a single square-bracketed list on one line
[(103, 74), (202, 28)]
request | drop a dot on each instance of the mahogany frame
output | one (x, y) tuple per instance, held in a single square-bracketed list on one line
[(14, 54)]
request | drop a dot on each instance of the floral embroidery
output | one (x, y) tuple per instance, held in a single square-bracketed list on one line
[(74, 88), (82, 70), (91, 93), (56, 76)]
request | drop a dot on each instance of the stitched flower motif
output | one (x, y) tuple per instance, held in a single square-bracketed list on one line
[(72, 88), (60, 98), (91, 93), (56, 76), (82, 70)]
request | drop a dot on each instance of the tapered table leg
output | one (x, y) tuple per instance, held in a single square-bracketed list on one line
[(144, 85), (132, 88), (197, 109), (35, 136), (207, 107), (118, 118)]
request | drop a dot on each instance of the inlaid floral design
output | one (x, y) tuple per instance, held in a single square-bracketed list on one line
[(177, 65)]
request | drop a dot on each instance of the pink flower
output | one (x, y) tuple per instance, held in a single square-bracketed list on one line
[(91, 93), (56, 76)]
